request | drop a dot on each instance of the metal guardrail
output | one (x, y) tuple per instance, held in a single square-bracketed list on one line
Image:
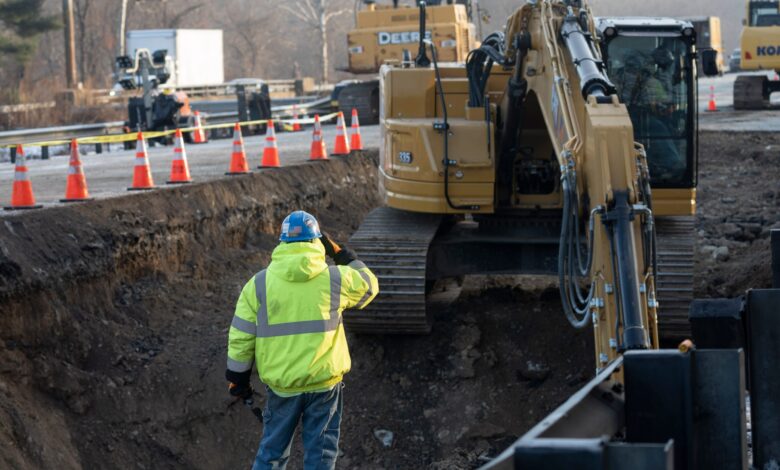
[(222, 111), (23, 136)]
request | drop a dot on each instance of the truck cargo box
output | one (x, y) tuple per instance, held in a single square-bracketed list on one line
[(196, 53)]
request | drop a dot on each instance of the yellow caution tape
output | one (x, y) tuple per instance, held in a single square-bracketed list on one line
[(287, 125)]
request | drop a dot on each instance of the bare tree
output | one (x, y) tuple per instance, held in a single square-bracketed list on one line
[(317, 14), (248, 34), (176, 19)]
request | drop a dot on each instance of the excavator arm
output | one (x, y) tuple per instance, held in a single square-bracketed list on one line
[(605, 262)]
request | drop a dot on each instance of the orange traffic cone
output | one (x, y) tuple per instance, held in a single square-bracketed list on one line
[(238, 163), (180, 171), (142, 173), (341, 147), (271, 151), (711, 106), (296, 127), (355, 142), (22, 196), (199, 135), (318, 149), (76, 187)]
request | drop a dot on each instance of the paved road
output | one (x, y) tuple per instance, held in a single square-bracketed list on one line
[(109, 174), (726, 118)]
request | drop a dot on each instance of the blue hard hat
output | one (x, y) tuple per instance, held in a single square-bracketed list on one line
[(300, 226)]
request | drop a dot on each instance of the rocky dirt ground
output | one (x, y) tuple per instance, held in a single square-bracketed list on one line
[(115, 314), (738, 204)]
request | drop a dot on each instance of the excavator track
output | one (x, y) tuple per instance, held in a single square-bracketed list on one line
[(394, 244), (750, 92), (674, 280), (364, 97)]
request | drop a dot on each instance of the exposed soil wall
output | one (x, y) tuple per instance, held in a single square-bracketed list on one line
[(115, 312)]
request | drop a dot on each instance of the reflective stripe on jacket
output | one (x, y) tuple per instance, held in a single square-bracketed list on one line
[(288, 318)]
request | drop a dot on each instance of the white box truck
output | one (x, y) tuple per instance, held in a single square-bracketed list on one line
[(196, 54)]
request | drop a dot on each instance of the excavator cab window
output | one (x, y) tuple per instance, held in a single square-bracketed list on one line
[(768, 20), (653, 76), (764, 13)]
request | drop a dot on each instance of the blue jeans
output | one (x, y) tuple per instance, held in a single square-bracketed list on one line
[(321, 416)]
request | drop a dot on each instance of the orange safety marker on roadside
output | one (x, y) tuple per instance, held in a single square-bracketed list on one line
[(142, 173), (271, 150), (355, 143), (22, 196), (318, 149), (198, 135), (238, 163), (180, 170), (341, 147), (296, 127), (711, 106), (76, 187)]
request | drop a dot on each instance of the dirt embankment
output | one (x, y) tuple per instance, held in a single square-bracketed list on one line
[(115, 312), (114, 322)]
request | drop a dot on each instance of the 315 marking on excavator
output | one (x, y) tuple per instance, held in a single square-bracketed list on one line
[(405, 157)]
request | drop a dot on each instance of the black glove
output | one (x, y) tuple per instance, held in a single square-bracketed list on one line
[(344, 257), (240, 391), (331, 248), (238, 383)]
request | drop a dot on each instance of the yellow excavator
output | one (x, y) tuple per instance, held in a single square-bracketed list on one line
[(562, 145), (385, 33), (524, 159), (760, 49)]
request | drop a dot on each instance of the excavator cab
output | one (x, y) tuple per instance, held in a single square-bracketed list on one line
[(651, 63)]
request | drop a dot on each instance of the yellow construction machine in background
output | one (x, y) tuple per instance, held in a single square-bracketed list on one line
[(760, 49), (385, 33)]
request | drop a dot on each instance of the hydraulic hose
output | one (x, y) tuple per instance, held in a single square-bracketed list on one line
[(575, 304), (445, 133)]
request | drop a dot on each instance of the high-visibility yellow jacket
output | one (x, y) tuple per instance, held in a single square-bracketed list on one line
[(288, 319)]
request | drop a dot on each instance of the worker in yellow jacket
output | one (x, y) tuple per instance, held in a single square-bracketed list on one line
[(288, 324)]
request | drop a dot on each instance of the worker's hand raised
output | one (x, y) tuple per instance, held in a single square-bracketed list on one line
[(331, 248)]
